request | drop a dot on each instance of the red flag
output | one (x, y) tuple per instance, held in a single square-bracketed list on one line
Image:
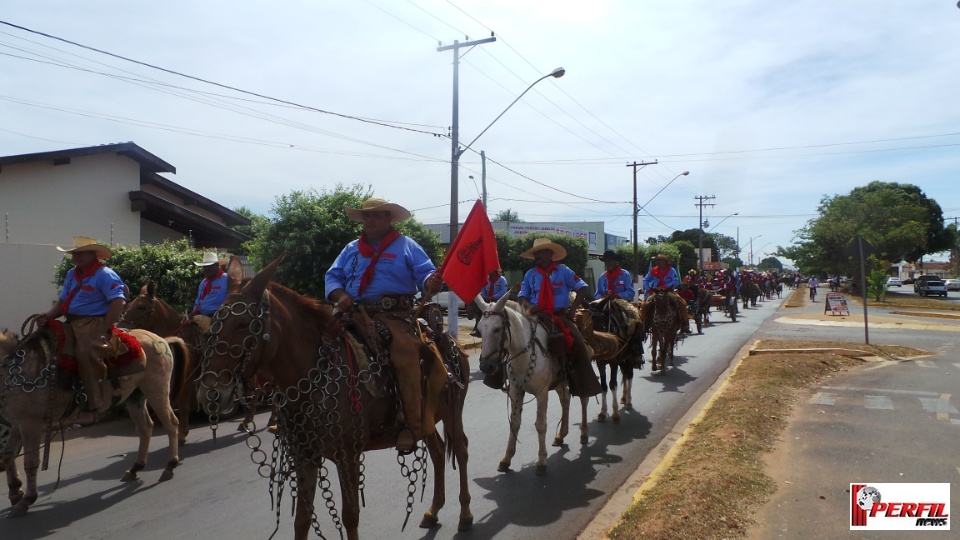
[(472, 256)]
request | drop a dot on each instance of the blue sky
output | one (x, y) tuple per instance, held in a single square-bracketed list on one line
[(769, 105)]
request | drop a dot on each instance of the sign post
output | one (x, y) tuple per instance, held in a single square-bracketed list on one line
[(836, 304)]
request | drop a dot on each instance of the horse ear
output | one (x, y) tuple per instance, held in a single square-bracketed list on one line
[(480, 303), (501, 302), (149, 289), (259, 282), (234, 273)]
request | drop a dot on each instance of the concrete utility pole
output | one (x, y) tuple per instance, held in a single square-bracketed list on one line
[(635, 165), (701, 204)]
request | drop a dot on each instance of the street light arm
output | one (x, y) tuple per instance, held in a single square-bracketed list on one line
[(684, 173), (557, 73), (724, 219)]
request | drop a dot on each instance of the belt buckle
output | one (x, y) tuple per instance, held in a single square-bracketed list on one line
[(388, 303)]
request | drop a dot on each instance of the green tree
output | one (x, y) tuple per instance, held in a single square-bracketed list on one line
[(169, 265), (877, 284), (508, 215), (770, 264), (259, 223)]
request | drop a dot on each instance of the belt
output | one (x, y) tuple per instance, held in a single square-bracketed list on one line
[(390, 302)]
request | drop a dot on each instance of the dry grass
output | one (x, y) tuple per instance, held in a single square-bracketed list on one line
[(914, 301), (717, 481)]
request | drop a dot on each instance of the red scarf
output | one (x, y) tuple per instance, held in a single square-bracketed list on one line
[(209, 283), (660, 275), (368, 251), (79, 276), (545, 298), (493, 281), (612, 276)]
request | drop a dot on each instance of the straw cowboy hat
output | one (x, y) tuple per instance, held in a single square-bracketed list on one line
[(82, 243), (397, 212), (209, 258), (559, 253), (662, 256)]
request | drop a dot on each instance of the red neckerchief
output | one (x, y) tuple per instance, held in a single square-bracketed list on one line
[(79, 276), (545, 298), (493, 281), (660, 275), (209, 283), (612, 276), (368, 251)]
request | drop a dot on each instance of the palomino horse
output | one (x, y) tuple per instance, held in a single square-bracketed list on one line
[(617, 344), (33, 400), (150, 312), (663, 323), (336, 400), (517, 344)]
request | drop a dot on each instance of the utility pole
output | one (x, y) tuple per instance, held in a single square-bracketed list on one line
[(701, 204), (483, 176), (635, 165)]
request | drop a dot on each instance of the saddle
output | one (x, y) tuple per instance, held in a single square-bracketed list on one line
[(120, 352)]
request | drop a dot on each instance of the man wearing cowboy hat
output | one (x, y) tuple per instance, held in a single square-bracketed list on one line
[(495, 288), (213, 288), (664, 276), (546, 289), (92, 299), (383, 271), (615, 282)]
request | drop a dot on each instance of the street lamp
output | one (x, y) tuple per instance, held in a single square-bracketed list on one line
[(636, 264), (724, 219), (455, 162), (752, 238)]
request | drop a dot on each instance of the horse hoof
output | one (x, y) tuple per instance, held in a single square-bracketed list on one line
[(18, 510), (429, 521), (540, 470), (616, 419), (583, 439), (465, 524), (167, 474), (129, 476), (557, 441), (504, 466), (601, 417), (181, 442), (15, 498)]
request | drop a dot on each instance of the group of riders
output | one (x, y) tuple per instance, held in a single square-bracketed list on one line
[(378, 277)]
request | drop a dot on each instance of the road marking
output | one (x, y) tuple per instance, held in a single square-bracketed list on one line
[(925, 363), (823, 398), (878, 402), (938, 406), (879, 390)]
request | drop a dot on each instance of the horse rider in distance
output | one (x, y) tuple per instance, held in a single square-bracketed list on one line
[(663, 276), (382, 271)]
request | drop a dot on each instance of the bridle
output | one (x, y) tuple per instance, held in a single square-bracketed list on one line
[(148, 312)]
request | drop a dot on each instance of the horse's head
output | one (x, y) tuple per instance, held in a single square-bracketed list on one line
[(494, 328), (241, 332), (139, 312)]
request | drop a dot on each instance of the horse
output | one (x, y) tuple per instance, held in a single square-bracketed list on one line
[(663, 323), (611, 352), (150, 312), (518, 345), (33, 399), (336, 398), (704, 301)]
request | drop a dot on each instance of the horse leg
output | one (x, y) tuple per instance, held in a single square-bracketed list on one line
[(460, 445), (613, 394), (602, 417), (627, 399), (349, 472), (516, 412), (306, 490), (563, 392), (31, 464), (435, 446), (161, 405), (137, 409), (10, 451), (584, 426), (541, 425)]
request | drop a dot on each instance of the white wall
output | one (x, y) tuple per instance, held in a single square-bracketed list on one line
[(28, 288)]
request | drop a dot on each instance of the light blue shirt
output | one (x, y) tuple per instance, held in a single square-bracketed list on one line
[(95, 294), (671, 281), (208, 305), (622, 286), (402, 269), (563, 279), (499, 289)]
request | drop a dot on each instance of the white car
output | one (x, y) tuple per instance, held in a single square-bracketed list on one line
[(952, 284), (443, 298), (894, 282)]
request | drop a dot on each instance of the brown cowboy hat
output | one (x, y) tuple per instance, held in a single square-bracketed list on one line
[(662, 256), (559, 252), (83, 243), (374, 204)]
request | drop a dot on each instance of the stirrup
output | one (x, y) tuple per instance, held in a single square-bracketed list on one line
[(406, 447)]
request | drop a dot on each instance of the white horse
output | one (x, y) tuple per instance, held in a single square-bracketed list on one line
[(513, 342)]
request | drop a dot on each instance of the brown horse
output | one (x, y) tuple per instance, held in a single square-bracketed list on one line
[(33, 400), (336, 400), (663, 323), (612, 352)]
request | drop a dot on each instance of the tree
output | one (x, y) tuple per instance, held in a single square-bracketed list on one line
[(770, 263), (258, 225), (576, 248), (312, 229), (508, 215)]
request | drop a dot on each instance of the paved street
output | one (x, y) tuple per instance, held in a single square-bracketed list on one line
[(216, 492)]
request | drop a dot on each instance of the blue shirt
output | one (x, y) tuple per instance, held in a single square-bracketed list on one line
[(499, 289), (95, 294), (208, 305), (622, 286), (671, 281), (402, 269), (563, 279)]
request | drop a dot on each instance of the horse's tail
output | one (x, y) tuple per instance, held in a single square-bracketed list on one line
[(181, 366)]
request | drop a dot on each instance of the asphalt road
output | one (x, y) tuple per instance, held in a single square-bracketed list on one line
[(217, 493)]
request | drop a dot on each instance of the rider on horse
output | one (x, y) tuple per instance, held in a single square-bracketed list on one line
[(554, 301), (382, 271), (92, 300), (615, 282), (664, 276), (212, 292)]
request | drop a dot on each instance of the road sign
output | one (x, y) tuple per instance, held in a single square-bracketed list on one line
[(836, 304)]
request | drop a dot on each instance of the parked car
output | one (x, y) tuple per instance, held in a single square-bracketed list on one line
[(443, 298), (930, 285), (893, 282), (908, 281), (952, 284)]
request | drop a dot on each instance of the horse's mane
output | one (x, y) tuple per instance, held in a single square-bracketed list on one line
[(300, 301)]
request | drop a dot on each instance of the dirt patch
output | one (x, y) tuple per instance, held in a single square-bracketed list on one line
[(717, 480)]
